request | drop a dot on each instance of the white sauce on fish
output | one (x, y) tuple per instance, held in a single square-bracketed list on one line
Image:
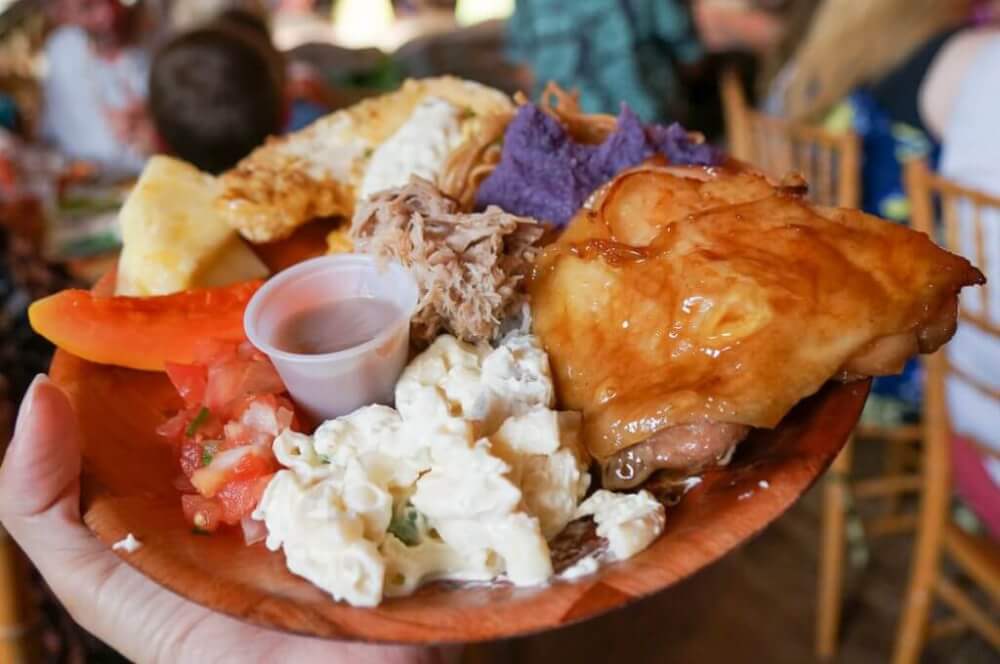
[(421, 146)]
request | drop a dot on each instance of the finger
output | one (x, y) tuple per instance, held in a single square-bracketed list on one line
[(40, 494), (40, 481), (40, 508), (41, 468)]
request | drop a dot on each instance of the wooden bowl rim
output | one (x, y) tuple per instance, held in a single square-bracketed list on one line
[(830, 416)]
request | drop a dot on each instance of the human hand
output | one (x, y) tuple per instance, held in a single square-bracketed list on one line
[(40, 508)]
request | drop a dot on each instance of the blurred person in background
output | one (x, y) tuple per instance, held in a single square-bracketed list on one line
[(771, 30), (740, 25), (10, 114), (95, 87), (217, 91), (868, 45), (473, 51), (751, 37), (860, 66), (960, 101), (611, 51), (302, 31), (220, 90)]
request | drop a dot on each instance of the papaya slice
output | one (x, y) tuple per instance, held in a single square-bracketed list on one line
[(141, 332)]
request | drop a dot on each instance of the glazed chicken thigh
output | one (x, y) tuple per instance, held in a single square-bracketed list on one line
[(684, 307)]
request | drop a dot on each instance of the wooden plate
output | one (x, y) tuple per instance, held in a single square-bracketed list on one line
[(128, 476)]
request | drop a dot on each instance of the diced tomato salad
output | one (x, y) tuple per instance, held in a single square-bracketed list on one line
[(234, 407)]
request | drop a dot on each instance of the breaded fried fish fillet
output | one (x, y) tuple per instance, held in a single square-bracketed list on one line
[(319, 171)]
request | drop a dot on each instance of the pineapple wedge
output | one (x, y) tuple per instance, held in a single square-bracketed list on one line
[(173, 236)]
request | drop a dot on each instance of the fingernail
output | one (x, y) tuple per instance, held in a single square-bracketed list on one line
[(28, 403)]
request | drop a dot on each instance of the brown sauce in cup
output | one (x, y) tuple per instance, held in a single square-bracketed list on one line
[(336, 326)]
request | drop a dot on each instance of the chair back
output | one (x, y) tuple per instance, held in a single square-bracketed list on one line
[(830, 162), (969, 226)]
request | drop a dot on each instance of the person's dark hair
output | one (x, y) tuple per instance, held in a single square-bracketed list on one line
[(216, 93)]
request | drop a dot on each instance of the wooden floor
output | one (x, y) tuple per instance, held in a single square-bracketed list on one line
[(757, 605)]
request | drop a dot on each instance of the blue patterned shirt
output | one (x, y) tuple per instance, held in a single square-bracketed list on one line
[(610, 50)]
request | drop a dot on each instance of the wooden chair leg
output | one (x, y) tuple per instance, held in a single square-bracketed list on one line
[(934, 505), (966, 609), (18, 640), (919, 595), (831, 554), (895, 465)]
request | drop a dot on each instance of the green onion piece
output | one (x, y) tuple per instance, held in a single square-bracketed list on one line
[(207, 454), (198, 420), (404, 525)]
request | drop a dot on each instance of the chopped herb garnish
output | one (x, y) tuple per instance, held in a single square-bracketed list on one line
[(368, 152), (208, 453), (467, 114), (198, 420), (325, 459), (404, 524)]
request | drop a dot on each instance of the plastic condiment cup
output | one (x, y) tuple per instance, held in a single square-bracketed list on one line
[(328, 385)]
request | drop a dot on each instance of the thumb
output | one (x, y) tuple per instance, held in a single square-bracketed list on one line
[(39, 478), (40, 496), (40, 483)]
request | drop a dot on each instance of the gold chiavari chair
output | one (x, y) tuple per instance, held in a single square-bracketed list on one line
[(965, 214), (830, 162), (831, 165)]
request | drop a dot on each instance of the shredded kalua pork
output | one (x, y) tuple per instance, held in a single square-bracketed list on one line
[(469, 267)]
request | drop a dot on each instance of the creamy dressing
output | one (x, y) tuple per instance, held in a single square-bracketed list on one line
[(583, 567), (628, 521), (469, 478), (330, 149), (466, 480), (421, 146)]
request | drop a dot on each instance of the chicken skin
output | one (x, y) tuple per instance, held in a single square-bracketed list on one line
[(684, 307)]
